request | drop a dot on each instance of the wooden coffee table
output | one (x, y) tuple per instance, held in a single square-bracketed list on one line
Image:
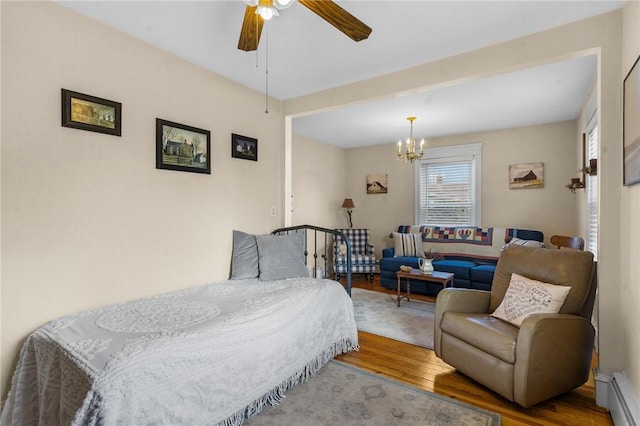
[(443, 278)]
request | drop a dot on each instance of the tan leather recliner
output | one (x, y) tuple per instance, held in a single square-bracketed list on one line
[(548, 355)]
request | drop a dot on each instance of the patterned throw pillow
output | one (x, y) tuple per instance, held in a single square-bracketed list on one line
[(409, 245), (525, 296), (520, 242)]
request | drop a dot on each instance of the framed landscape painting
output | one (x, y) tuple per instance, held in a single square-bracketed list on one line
[(526, 175), (86, 112), (631, 126), (182, 148), (377, 184)]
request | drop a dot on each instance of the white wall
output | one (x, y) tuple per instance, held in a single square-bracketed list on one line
[(551, 209), (87, 219), (380, 213), (630, 294), (318, 189), (319, 176)]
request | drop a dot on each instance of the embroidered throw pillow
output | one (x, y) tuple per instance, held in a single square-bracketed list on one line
[(409, 245), (525, 296)]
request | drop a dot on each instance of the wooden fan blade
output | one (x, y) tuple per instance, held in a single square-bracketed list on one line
[(339, 18), (251, 30)]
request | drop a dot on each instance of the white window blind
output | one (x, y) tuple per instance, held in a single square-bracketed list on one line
[(448, 187), (592, 192)]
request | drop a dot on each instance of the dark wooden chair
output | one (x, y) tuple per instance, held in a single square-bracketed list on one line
[(570, 242)]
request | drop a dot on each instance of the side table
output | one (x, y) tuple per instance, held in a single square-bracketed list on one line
[(443, 278)]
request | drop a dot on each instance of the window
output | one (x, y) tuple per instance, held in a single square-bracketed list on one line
[(448, 186), (591, 185)]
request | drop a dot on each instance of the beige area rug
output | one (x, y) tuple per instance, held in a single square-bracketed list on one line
[(378, 313), (344, 395)]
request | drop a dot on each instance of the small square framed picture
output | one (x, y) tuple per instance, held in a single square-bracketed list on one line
[(244, 147)]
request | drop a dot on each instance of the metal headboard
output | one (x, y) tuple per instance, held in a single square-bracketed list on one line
[(313, 236)]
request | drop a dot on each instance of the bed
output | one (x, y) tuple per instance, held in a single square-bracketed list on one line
[(212, 354)]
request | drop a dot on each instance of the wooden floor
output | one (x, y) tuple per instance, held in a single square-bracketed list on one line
[(421, 368)]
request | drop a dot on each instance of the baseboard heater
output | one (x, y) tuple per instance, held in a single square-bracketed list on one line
[(622, 402)]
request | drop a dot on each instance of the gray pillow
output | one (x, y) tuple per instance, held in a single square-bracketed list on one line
[(244, 261), (281, 256)]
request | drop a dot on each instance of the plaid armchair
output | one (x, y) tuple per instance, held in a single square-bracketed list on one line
[(363, 260)]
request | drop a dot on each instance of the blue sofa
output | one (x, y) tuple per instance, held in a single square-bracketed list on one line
[(471, 270)]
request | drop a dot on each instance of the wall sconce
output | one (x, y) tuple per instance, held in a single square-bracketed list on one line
[(348, 204), (591, 170), (576, 183)]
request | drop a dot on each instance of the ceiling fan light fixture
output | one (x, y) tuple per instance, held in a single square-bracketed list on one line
[(283, 4), (266, 9), (258, 11)]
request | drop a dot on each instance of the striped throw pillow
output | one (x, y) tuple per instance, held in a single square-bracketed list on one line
[(407, 245), (519, 242)]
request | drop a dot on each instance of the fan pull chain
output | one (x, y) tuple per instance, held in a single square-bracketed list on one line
[(266, 71), (257, 55)]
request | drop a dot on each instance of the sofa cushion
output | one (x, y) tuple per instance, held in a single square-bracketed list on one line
[(482, 273), (486, 333), (394, 263), (356, 259), (460, 268)]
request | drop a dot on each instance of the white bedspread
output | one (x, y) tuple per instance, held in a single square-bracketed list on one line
[(201, 356)]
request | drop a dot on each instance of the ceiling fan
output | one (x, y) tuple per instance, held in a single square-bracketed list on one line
[(258, 11)]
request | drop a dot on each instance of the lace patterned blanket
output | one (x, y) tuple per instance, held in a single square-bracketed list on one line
[(213, 354)]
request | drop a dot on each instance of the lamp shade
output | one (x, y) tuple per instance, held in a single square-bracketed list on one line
[(348, 204)]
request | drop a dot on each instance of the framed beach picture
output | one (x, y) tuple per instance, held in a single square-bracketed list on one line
[(86, 112), (182, 148), (526, 175), (631, 126), (244, 147), (377, 184)]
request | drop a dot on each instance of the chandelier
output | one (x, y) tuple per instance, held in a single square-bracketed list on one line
[(267, 9), (410, 154)]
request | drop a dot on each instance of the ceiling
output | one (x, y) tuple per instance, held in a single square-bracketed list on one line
[(306, 55)]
